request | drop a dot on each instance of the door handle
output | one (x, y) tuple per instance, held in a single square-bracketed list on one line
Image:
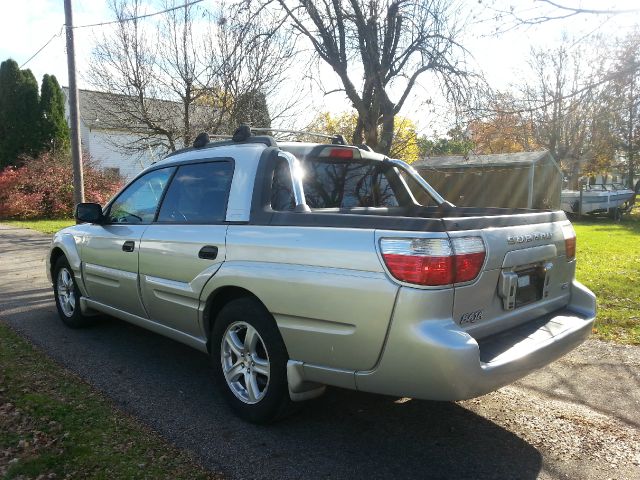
[(208, 252), (128, 246)]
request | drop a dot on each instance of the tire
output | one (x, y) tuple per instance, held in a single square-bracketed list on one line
[(246, 344), (67, 295)]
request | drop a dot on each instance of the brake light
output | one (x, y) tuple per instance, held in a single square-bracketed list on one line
[(340, 152), (433, 261), (569, 241)]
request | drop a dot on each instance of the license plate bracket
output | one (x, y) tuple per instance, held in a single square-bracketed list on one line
[(519, 287), (530, 285)]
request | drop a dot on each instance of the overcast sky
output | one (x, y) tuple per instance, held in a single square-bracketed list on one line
[(26, 25)]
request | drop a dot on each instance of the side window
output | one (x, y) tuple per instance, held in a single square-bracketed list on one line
[(198, 194), (282, 197), (139, 202)]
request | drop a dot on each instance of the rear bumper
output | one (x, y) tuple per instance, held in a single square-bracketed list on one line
[(436, 360)]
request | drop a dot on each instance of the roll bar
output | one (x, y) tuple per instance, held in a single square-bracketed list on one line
[(413, 173), (296, 180)]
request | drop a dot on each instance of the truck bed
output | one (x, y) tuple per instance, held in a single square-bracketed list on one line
[(411, 218)]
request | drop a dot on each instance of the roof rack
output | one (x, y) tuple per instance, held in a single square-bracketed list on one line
[(245, 133), (335, 139)]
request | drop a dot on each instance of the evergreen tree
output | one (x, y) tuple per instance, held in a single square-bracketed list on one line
[(19, 113), (251, 108), (54, 130)]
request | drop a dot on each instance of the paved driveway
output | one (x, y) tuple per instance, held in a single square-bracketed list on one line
[(578, 418)]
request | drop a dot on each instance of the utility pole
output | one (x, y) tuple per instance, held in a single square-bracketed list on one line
[(74, 111)]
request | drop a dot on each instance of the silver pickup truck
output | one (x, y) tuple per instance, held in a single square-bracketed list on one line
[(301, 265)]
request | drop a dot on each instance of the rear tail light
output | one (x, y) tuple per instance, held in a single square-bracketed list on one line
[(569, 241), (433, 261)]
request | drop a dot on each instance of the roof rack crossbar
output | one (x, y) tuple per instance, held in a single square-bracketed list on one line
[(333, 138)]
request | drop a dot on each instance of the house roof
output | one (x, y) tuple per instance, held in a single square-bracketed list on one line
[(478, 161), (110, 111)]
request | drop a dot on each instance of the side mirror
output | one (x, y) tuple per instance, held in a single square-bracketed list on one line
[(89, 213)]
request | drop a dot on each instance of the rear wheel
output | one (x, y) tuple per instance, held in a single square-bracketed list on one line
[(67, 295), (250, 361)]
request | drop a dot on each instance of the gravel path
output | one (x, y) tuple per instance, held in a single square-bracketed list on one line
[(577, 418)]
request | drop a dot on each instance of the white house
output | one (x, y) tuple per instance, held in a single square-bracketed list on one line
[(100, 138)]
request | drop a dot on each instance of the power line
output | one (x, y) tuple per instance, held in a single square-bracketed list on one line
[(43, 47), (139, 16), (194, 2)]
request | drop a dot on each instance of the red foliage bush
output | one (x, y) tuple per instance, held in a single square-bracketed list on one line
[(43, 187)]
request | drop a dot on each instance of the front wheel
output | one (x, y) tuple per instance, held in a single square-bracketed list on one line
[(67, 295), (250, 361)]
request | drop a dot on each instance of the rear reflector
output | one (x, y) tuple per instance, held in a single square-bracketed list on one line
[(433, 261), (469, 254), (569, 241)]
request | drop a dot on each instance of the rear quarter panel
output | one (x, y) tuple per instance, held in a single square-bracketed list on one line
[(326, 289)]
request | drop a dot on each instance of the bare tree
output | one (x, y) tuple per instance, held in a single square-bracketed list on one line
[(567, 101), (503, 126), (564, 105), (191, 71), (252, 55), (379, 50), (542, 11), (562, 11), (624, 92)]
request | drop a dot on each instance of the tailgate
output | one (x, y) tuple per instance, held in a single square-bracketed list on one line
[(525, 276)]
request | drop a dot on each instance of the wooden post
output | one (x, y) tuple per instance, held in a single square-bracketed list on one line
[(580, 202), (531, 177), (74, 111)]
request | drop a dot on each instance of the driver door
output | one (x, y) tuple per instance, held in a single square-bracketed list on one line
[(110, 251)]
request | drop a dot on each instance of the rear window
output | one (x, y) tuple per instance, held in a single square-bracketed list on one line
[(347, 184), (337, 184)]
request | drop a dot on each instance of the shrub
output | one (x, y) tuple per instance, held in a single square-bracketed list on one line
[(43, 187)]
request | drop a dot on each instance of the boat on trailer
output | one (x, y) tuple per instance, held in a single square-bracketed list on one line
[(599, 198)]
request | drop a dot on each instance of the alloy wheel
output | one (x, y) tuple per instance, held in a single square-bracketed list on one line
[(245, 362), (66, 292)]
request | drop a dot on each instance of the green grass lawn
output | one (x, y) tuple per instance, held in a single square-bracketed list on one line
[(609, 264), (53, 425), (44, 226)]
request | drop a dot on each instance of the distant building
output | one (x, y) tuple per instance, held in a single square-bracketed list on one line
[(510, 180), (99, 137), (103, 131)]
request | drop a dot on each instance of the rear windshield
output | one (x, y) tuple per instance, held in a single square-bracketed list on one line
[(340, 184)]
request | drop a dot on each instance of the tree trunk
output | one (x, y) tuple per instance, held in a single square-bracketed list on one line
[(358, 137), (630, 132), (386, 136), (187, 118), (370, 130)]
